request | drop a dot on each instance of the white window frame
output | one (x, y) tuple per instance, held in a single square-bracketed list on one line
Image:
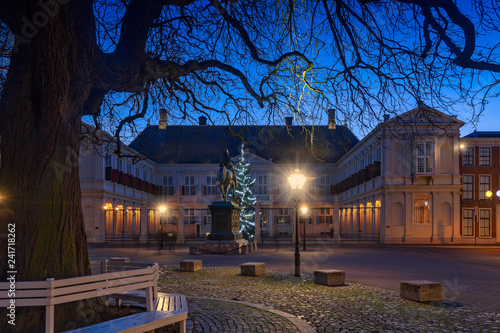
[(262, 181), (189, 216), (168, 185), (284, 216), (108, 161), (484, 159), (325, 215), (211, 185), (424, 157), (189, 185), (486, 218), (484, 187), (468, 159), (468, 187), (465, 216), (324, 184)]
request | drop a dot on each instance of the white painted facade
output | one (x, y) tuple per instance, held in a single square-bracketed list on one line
[(401, 184)]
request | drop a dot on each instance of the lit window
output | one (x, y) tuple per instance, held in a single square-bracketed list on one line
[(484, 156), (425, 154), (484, 223), (468, 222), (168, 185), (484, 186), (468, 190), (283, 216), (211, 187), (421, 209), (468, 157)]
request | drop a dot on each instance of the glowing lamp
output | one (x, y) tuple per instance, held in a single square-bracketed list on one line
[(297, 180), (489, 194), (304, 210), (162, 209)]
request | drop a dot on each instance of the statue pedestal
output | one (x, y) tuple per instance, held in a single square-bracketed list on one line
[(225, 236)]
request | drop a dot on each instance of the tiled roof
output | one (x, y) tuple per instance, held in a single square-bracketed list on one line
[(483, 134), (205, 144)]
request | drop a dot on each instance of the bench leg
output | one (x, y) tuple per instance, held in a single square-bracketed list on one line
[(183, 326)]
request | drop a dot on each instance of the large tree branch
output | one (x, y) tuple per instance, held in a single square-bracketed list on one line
[(246, 39), (464, 54)]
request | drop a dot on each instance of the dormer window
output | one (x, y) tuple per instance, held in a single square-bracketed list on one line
[(425, 154)]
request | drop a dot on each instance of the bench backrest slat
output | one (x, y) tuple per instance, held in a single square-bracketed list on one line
[(43, 293)]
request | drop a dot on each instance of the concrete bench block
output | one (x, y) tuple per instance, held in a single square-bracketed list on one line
[(329, 277), (253, 268), (421, 291), (190, 265), (244, 249)]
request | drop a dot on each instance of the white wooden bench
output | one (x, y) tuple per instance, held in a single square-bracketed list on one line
[(168, 309), (143, 276)]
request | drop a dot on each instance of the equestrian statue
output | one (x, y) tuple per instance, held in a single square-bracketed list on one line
[(226, 176)]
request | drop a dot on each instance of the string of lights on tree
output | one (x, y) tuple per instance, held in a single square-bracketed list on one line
[(244, 191)]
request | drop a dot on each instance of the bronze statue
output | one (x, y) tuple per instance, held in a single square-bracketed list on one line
[(226, 177)]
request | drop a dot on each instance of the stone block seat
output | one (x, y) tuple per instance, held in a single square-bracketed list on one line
[(253, 268), (421, 290), (329, 277), (191, 265)]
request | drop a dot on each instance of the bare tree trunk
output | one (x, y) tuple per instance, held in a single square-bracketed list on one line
[(40, 114)]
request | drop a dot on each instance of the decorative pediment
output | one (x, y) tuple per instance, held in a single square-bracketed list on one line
[(426, 115)]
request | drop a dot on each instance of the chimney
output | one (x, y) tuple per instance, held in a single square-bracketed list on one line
[(202, 121), (289, 121), (386, 117), (163, 119), (331, 119)]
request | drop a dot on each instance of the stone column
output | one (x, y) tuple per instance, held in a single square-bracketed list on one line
[(180, 224), (256, 238), (336, 219), (143, 238), (408, 213), (270, 222), (124, 230), (114, 222)]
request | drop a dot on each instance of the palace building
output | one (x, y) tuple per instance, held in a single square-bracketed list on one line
[(401, 184)]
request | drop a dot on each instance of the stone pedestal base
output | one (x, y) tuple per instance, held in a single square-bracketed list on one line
[(223, 247), (329, 277), (191, 265), (253, 268), (421, 291)]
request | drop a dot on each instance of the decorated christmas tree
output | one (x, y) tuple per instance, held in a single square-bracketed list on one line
[(245, 192)]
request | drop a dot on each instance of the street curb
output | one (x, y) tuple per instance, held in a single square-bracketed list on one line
[(301, 324)]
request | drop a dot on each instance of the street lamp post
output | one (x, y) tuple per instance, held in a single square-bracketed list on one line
[(304, 212), (162, 209), (297, 182)]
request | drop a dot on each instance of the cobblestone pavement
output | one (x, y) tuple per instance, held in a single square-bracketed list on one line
[(218, 316), (350, 308), (469, 275)]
